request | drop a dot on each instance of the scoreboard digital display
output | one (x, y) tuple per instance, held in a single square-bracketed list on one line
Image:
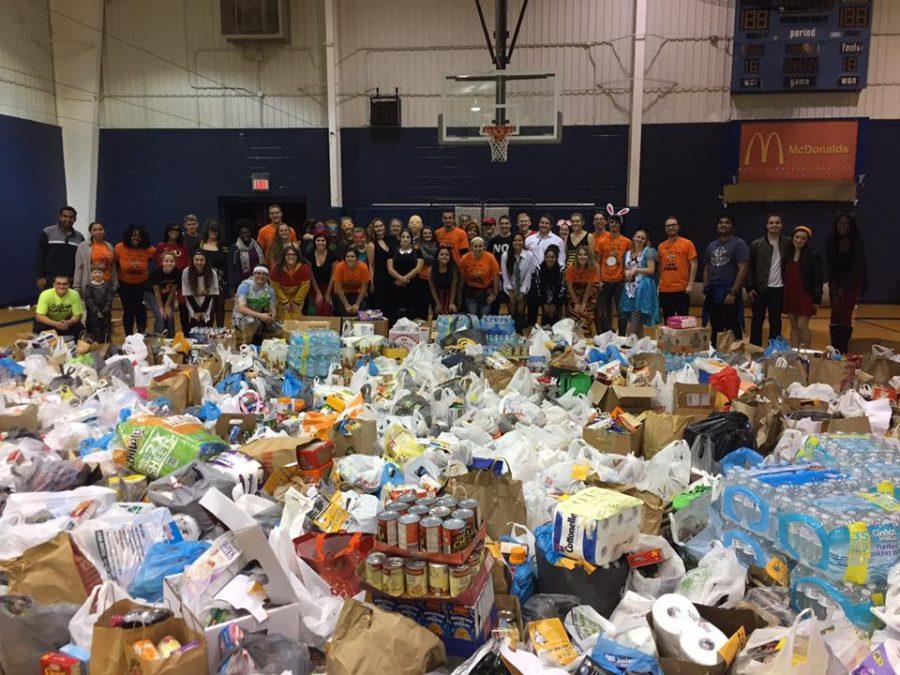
[(801, 45)]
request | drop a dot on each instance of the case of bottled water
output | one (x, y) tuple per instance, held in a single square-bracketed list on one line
[(311, 353)]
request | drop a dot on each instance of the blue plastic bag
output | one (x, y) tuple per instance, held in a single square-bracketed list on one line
[(543, 537), (89, 445), (230, 384), (596, 355), (776, 345), (621, 660), (209, 412), (742, 457), (11, 367), (292, 386), (163, 559)]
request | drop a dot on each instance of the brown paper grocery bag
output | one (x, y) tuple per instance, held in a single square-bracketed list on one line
[(660, 429), (726, 343), (371, 640), (181, 386), (111, 648), (783, 377), (838, 374), (48, 572), (654, 506), (500, 498)]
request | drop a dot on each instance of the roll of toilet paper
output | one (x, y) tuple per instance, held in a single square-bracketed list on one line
[(673, 616), (701, 643)]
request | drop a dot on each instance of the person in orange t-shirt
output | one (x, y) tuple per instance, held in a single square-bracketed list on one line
[(351, 282), (452, 237), (611, 260), (582, 282), (678, 268), (133, 255), (267, 232), (479, 272)]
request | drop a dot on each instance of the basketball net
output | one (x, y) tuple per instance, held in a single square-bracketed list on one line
[(498, 139)]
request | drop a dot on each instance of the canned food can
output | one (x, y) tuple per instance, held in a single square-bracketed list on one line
[(408, 498), (393, 577), (459, 579), (474, 507), (416, 579), (441, 512), (375, 570), (426, 501), (408, 532), (430, 539), (398, 507), (418, 510), (468, 517), (438, 579), (387, 527), (455, 536), (447, 501)]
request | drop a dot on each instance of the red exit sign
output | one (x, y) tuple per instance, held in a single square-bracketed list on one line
[(259, 182)]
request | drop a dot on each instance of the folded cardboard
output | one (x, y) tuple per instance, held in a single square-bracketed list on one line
[(616, 443), (630, 399), (302, 325), (283, 611), (20, 417), (683, 340), (693, 399), (729, 621)]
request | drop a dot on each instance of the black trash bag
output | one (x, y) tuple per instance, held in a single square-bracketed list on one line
[(713, 438), (549, 606), (181, 491), (29, 629), (121, 369), (262, 653)]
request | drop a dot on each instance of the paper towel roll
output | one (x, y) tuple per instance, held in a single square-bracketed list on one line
[(701, 643), (673, 615)]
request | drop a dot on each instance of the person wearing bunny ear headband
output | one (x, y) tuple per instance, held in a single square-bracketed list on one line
[(611, 259)]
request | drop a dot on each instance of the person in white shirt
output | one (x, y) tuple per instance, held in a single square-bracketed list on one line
[(517, 266), (538, 242), (768, 256)]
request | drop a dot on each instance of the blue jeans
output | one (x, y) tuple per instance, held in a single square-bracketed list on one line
[(475, 301), (160, 323)]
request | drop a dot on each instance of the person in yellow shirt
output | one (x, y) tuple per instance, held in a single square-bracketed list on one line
[(60, 309)]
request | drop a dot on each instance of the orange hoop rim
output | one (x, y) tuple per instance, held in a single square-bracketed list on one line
[(499, 132)]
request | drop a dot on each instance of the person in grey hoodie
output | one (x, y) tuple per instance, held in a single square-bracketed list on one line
[(94, 251), (56, 249)]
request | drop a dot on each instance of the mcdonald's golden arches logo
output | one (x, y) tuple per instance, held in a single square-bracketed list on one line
[(764, 147)]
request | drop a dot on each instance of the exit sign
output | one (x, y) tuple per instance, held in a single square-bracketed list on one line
[(259, 182)]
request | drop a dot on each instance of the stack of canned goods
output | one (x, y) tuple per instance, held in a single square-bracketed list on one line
[(429, 524), (416, 578)]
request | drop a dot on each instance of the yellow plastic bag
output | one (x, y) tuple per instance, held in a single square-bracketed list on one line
[(400, 446)]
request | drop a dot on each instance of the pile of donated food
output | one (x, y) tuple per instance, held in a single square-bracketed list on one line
[(448, 498)]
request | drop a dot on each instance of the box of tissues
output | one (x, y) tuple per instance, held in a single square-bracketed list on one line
[(596, 525)]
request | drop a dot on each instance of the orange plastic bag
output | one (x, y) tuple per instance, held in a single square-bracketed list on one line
[(319, 424), (727, 382), (335, 558)]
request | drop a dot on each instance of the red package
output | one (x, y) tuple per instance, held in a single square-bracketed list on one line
[(727, 382)]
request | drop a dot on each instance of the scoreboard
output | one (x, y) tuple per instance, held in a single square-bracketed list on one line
[(801, 45)]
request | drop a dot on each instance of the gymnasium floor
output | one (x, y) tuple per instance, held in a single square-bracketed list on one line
[(874, 323)]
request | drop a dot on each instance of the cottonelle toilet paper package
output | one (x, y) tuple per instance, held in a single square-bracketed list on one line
[(683, 634), (596, 525)]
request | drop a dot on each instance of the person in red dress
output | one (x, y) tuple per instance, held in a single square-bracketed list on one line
[(802, 286)]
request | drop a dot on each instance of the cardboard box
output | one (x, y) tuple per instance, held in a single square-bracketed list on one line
[(630, 399), (274, 453), (683, 340), (729, 621), (847, 425), (283, 612), (511, 603), (694, 399), (409, 338), (20, 417), (227, 420), (611, 442), (302, 325), (379, 326), (361, 441)]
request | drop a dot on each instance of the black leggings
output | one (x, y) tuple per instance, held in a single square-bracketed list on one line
[(133, 310)]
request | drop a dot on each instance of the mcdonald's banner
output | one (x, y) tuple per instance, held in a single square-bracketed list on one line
[(810, 151)]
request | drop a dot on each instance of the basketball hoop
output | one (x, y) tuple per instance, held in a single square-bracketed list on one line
[(498, 138)]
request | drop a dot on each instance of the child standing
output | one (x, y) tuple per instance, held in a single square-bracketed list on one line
[(98, 298)]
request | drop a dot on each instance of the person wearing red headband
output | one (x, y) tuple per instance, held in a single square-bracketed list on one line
[(802, 286)]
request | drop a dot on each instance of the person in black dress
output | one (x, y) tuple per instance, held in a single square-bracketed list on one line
[(321, 259), (444, 282), (381, 248), (404, 267)]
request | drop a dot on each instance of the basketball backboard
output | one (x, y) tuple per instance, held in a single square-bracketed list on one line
[(470, 102)]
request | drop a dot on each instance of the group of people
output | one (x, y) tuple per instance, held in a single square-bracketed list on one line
[(540, 272)]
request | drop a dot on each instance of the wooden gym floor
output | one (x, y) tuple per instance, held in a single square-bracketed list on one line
[(874, 323)]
